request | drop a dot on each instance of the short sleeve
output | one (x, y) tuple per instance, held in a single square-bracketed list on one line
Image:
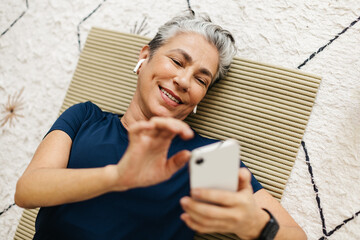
[(254, 182), (71, 119)]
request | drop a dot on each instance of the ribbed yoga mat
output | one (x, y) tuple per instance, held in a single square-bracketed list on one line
[(265, 107)]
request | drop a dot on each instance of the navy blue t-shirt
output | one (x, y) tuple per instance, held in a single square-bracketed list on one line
[(99, 139)]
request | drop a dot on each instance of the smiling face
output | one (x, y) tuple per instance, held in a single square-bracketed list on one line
[(175, 79)]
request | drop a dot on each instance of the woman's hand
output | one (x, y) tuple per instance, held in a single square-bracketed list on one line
[(223, 211), (145, 161)]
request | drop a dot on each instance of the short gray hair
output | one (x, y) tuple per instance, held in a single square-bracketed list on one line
[(201, 24)]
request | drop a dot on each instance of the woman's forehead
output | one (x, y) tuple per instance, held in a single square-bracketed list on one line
[(193, 47), (189, 37)]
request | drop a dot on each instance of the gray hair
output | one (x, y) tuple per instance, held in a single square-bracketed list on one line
[(201, 24)]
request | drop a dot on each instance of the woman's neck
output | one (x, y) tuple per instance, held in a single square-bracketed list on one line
[(133, 114)]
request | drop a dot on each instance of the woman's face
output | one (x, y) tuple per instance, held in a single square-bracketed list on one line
[(177, 76)]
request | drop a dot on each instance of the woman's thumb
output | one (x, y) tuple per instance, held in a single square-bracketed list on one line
[(244, 179), (178, 160)]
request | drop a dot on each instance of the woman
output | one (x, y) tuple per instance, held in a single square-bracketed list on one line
[(98, 177)]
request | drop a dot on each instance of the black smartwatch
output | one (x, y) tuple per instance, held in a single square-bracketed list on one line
[(271, 228)]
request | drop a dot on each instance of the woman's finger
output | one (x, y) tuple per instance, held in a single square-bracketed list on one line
[(177, 161), (223, 197), (202, 226), (172, 126), (194, 225), (208, 214), (140, 126), (215, 196), (244, 180)]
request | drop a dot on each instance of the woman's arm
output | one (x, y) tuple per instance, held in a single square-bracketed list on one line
[(289, 229), (240, 213), (47, 181)]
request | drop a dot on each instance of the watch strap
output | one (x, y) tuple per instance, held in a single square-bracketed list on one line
[(271, 228)]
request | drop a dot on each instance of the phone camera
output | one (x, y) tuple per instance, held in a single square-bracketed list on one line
[(199, 161)]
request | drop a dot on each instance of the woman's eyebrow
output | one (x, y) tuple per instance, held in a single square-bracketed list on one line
[(206, 72), (189, 59)]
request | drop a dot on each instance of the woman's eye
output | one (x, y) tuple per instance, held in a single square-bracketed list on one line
[(176, 62), (201, 81)]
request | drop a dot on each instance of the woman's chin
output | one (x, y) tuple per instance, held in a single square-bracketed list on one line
[(164, 112)]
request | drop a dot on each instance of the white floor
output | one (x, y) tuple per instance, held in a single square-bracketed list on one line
[(39, 53)]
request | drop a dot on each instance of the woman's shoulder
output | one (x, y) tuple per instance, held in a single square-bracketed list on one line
[(82, 112), (88, 105), (85, 108)]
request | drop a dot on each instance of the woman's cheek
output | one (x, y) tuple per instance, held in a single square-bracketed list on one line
[(167, 68), (197, 94), (170, 70)]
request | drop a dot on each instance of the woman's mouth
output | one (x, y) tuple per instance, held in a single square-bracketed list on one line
[(174, 100)]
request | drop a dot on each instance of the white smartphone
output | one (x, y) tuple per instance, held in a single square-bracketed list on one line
[(215, 166)]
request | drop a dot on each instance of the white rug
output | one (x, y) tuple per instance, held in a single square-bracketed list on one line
[(40, 42)]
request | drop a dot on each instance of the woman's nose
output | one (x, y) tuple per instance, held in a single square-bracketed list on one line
[(183, 81)]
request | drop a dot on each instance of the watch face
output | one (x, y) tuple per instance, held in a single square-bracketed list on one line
[(271, 228)]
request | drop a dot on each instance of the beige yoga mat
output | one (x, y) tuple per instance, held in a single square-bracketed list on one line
[(265, 107)]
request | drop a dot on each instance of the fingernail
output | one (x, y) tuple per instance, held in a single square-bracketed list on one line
[(189, 131), (182, 216), (195, 192), (183, 201)]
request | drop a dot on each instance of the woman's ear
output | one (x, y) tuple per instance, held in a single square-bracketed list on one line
[(144, 55), (145, 52)]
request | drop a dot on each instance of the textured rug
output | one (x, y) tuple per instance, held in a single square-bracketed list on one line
[(40, 43)]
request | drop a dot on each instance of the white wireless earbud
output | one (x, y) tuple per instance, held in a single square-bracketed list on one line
[(138, 65), (194, 110)]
